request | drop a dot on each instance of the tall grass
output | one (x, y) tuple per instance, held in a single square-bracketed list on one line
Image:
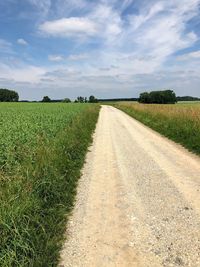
[(37, 193), (180, 122)]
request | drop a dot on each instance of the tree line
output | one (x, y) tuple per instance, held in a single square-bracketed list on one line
[(154, 97), (79, 99), (187, 98), (118, 99)]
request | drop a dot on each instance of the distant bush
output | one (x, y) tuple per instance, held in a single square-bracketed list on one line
[(66, 100), (93, 99), (81, 99), (8, 95), (158, 97), (46, 99)]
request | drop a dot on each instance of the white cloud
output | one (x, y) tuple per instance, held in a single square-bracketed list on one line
[(22, 41), (55, 58), (23, 73), (160, 30), (42, 6), (5, 46), (66, 7), (29, 74), (190, 56), (78, 57), (109, 23), (101, 22), (126, 4), (67, 27), (195, 54), (137, 20)]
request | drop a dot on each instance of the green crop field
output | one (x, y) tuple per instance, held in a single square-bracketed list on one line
[(42, 150), (179, 122)]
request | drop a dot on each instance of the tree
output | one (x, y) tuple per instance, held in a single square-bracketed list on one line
[(144, 98), (92, 99), (46, 99), (158, 97), (80, 99), (66, 100), (169, 97), (8, 95)]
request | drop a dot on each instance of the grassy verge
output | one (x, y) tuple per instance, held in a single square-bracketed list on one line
[(37, 198), (180, 123)]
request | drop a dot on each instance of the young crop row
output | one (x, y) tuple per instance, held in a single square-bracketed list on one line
[(42, 149), (180, 122)]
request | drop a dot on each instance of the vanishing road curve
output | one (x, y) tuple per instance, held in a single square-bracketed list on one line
[(138, 201)]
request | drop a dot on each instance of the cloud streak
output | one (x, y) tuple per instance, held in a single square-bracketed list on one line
[(55, 58), (69, 27), (21, 41)]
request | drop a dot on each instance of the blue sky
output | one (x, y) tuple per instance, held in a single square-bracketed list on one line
[(109, 48)]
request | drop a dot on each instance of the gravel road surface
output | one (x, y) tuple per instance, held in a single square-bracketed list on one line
[(138, 201)]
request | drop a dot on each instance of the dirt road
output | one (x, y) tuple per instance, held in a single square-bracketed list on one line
[(138, 200)]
